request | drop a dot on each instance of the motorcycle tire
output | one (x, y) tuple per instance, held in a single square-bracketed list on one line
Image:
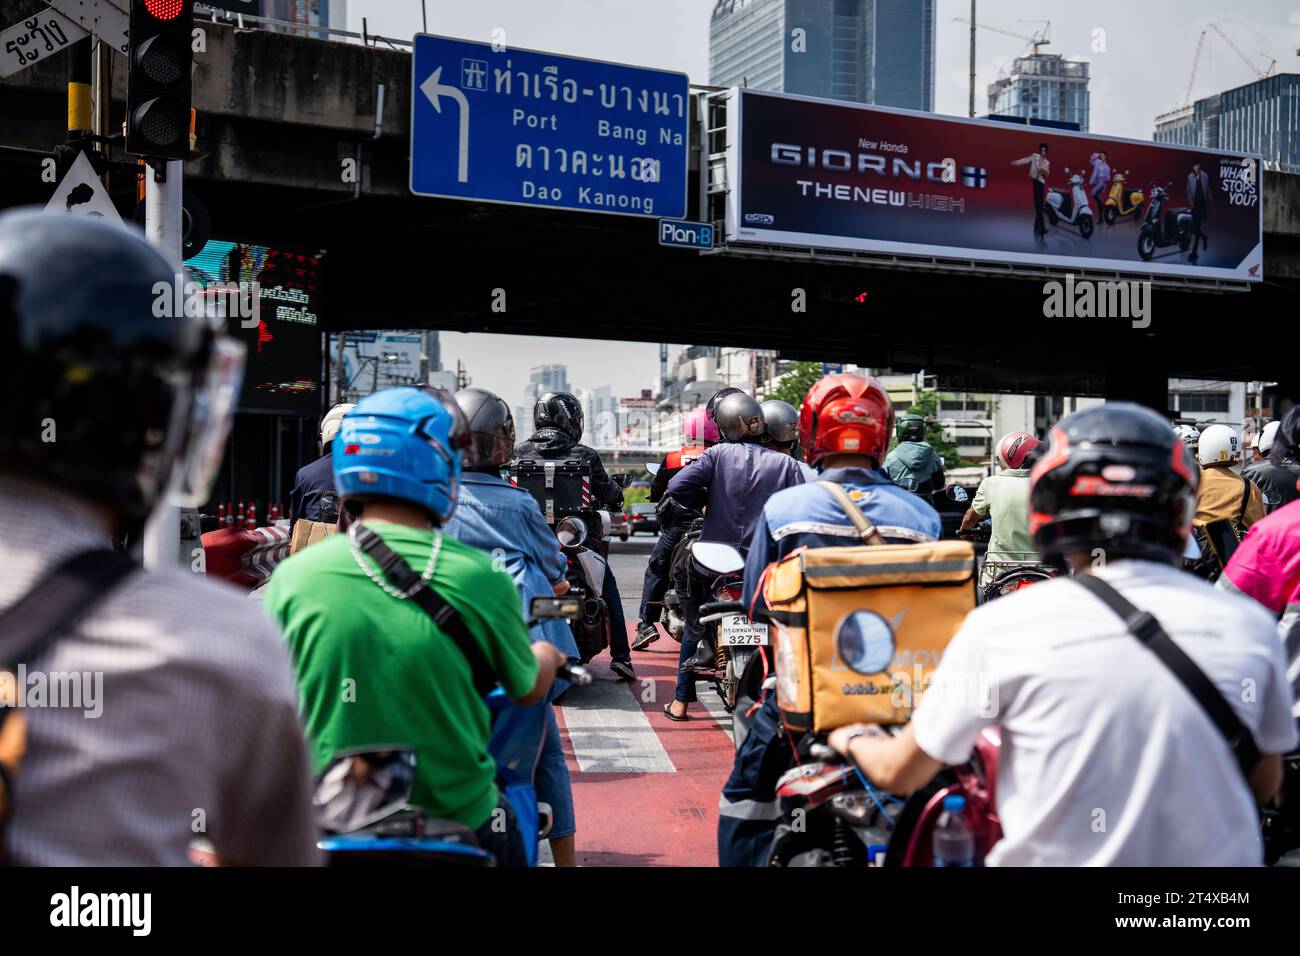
[(1146, 243), (1110, 215), (1085, 227), (1184, 242)]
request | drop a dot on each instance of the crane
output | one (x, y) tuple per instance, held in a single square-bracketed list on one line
[(1196, 60), (1041, 38)]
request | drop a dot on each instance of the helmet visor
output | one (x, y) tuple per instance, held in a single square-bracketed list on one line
[(210, 415)]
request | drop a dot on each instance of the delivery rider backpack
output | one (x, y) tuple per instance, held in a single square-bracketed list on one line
[(859, 630)]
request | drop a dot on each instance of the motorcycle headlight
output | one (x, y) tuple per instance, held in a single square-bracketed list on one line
[(865, 642)]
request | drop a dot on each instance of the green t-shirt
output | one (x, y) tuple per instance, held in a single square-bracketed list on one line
[(375, 670), (1005, 496)]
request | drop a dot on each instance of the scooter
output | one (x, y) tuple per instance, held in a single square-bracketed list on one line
[(1164, 226), (671, 614), (1071, 208), (1004, 572), (583, 539), (1122, 201), (735, 638), (362, 800), (832, 816)]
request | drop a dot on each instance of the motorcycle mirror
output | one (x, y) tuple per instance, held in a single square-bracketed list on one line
[(719, 558), (571, 531), (956, 492), (624, 479), (555, 608), (653, 468), (362, 787)]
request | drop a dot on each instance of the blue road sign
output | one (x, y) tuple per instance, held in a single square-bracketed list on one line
[(679, 232), (539, 129)]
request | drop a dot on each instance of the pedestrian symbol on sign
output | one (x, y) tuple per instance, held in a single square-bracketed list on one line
[(473, 74)]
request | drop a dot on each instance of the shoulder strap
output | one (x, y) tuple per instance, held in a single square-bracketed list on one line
[(447, 618), (1247, 484), (1143, 626), (866, 530), (63, 596)]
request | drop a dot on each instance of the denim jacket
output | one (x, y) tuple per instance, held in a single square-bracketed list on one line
[(493, 515)]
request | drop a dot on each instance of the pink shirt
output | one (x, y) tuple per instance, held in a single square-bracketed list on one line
[(1266, 566)]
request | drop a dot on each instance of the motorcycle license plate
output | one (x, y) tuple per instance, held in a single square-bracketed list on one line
[(734, 630)]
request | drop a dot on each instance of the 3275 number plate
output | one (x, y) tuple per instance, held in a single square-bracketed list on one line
[(735, 630)]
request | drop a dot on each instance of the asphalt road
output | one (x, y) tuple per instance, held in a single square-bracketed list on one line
[(628, 559)]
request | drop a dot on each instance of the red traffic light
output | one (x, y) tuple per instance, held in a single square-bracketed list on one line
[(165, 9)]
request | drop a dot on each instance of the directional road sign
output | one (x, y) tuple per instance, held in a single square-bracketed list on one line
[(538, 129)]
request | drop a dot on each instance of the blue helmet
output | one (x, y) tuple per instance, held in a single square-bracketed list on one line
[(403, 443)]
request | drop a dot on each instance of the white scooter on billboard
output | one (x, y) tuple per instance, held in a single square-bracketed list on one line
[(1071, 208)]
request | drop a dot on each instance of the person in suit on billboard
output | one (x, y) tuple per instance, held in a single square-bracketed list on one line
[(1201, 202), (1039, 168)]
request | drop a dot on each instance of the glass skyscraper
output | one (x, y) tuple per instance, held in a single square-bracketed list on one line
[(1043, 86), (1261, 117), (868, 51)]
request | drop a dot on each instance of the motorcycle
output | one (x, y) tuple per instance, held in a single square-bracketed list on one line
[(362, 799), (671, 615), (1122, 201), (1163, 225), (832, 816), (586, 551), (1071, 208), (1004, 572), (735, 639)]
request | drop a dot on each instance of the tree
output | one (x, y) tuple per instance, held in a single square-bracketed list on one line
[(795, 383)]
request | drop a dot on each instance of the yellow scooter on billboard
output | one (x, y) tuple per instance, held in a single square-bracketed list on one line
[(1122, 201)]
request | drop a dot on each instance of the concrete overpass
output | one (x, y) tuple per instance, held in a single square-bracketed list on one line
[(279, 116)]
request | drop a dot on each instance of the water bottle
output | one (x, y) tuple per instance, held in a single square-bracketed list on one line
[(954, 841)]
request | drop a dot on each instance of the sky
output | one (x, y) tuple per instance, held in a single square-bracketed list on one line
[(1141, 55)]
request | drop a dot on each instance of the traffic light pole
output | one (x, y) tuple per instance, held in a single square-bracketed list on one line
[(162, 228)]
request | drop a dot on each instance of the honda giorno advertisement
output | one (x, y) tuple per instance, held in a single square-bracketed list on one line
[(825, 174)]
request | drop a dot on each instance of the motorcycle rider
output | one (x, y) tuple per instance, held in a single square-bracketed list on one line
[(844, 427), (1005, 497), (201, 710), (914, 463), (371, 662), (781, 431), (497, 517), (1189, 435), (558, 427), (1223, 493), (700, 432), (734, 480), (1277, 475), (1096, 728), (313, 496)]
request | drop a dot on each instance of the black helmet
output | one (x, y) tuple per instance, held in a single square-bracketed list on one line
[(561, 411), (780, 422), (95, 351), (711, 407), (491, 426), (910, 427), (1115, 477), (1286, 445), (739, 418)]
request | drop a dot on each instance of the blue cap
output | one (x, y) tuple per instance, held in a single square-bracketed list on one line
[(954, 803)]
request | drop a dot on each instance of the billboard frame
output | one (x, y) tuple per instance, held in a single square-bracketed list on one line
[(792, 247)]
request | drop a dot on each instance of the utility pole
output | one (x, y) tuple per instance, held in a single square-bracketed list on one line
[(973, 21), (101, 98)]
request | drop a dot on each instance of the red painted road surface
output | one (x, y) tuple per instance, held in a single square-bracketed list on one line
[(654, 819)]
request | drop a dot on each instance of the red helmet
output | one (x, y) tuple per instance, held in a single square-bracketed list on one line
[(1015, 448), (846, 414)]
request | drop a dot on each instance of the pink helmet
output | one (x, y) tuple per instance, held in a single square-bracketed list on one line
[(699, 427)]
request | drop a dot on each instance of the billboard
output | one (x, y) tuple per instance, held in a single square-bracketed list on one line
[(282, 334), (373, 361), (831, 175)]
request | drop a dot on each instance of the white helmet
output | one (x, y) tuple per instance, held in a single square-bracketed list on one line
[(1264, 442), (329, 427), (1219, 445), (1189, 435)]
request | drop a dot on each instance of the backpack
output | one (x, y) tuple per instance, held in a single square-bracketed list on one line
[(860, 630)]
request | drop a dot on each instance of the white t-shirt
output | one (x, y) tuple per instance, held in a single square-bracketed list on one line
[(1106, 758)]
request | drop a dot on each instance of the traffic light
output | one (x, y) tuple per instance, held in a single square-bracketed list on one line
[(158, 81)]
